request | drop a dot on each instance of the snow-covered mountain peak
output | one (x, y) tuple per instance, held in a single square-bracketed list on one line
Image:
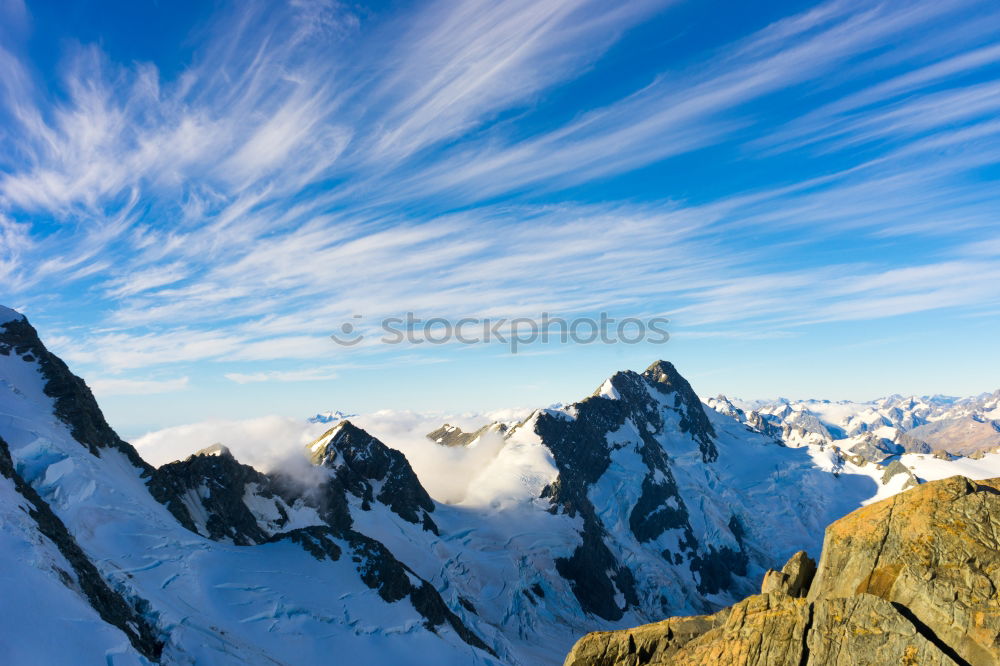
[(61, 391), (330, 417), (877, 429), (629, 505), (660, 398), (371, 471), (664, 372), (323, 450)]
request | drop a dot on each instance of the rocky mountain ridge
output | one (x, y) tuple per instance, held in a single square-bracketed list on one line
[(632, 504), (878, 429), (909, 580)]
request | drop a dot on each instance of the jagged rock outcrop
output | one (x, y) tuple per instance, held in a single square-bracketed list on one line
[(802, 426), (874, 448), (372, 471), (208, 491), (933, 551), (74, 403), (656, 401), (762, 425), (665, 378), (213, 494), (910, 580), (450, 435), (794, 578)]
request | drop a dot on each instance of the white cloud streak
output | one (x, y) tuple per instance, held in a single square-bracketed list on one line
[(241, 210), (104, 387)]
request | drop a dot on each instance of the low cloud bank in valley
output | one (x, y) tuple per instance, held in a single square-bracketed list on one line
[(277, 443)]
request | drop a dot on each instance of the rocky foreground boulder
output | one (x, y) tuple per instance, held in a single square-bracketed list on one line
[(910, 580)]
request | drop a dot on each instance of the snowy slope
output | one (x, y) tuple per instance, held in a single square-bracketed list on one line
[(879, 428), (635, 503), (210, 602), (39, 582)]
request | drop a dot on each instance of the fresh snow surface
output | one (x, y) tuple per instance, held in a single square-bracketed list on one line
[(608, 391), (890, 425), (46, 621), (330, 417), (218, 603), (221, 604)]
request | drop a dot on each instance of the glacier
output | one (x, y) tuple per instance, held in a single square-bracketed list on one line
[(635, 503)]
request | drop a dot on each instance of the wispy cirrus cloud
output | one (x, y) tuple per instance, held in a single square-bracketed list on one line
[(305, 375), (114, 386), (314, 162)]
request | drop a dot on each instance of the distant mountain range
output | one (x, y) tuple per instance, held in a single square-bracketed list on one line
[(329, 417), (879, 428), (636, 503)]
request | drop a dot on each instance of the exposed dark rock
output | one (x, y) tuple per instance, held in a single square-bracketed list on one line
[(429, 603), (801, 424), (912, 444), (358, 460), (317, 540), (874, 448), (652, 514), (580, 450), (763, 426), (717, 567), (582, 454), (214, 479), (381, 571), (449, 435), (74, 403), (694, 421), (596, 576)]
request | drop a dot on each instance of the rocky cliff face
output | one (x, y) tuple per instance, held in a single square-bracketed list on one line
[(633, 504), (373, 472), (73, 402), (633, 412), (214, 495), (910, 580)]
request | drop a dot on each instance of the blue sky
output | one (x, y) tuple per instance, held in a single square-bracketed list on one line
[(193, 196)]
